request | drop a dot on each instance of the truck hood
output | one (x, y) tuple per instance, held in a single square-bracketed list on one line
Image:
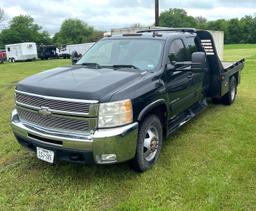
[(79, 82)]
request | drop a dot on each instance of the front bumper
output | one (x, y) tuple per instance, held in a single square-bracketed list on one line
[(101, 146)]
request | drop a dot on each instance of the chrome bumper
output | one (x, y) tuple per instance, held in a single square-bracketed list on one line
[(107, 145)]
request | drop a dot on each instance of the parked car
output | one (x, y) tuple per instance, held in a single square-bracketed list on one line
[(47, 51), (21, 51), (123, 97), (2, 56)]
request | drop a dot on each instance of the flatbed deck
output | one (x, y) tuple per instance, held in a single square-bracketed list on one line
[(226, 65)]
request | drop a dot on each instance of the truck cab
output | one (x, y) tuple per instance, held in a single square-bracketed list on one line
[(2, 56), (123, 97)]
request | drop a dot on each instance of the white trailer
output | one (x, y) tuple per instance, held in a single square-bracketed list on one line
[(21, 51), (67, 50)]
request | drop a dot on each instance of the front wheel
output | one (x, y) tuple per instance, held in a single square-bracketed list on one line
[(230, 97), (149, 144)]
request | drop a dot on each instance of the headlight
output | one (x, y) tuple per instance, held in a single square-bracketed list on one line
[(115, 114)]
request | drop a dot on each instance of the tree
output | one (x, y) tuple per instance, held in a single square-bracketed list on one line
[(218, 25), (201, 22), (73, 31), (176, 18), (2, 16), (2, 19), (23, 29), (96, 35), (248, 29), (233, 31)]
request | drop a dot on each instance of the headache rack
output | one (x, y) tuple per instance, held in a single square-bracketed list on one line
[(184, 30)]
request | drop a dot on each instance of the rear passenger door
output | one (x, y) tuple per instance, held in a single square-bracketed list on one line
[(179, 83), (199, 78)]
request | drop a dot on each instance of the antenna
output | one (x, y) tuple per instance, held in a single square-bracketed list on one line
[(156, 12)]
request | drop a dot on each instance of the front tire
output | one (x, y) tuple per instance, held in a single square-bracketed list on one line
[(149, 144), (230, 97)]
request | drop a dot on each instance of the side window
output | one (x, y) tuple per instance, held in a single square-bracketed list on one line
[(177, 51), (8, 49), (190, 47)]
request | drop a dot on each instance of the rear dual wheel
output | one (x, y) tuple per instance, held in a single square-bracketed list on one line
[(230, 97), (149, 144)]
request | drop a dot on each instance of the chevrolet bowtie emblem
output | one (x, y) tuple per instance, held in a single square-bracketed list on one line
[(45, 111)]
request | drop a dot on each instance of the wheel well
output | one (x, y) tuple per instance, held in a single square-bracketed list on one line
[(236, 77), (161, 112)]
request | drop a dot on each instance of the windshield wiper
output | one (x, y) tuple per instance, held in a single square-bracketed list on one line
[(116, 66), (119, 66), (91, 64)]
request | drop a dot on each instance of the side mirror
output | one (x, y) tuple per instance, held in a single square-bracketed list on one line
[(173, 63), (198, 61), (170, 66)]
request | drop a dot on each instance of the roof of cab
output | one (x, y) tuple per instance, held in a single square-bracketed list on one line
[(160, 35)]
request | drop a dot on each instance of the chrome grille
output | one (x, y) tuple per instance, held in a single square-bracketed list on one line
[(55, 104), (55, 122)]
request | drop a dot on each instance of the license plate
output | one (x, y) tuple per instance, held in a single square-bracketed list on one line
[(45, 154)]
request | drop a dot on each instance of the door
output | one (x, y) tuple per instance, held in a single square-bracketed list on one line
[(179, 79), (200, 80)]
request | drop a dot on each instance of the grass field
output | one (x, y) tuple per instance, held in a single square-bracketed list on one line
[(210, 164)]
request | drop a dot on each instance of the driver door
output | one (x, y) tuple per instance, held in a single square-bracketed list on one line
[(179, 79)]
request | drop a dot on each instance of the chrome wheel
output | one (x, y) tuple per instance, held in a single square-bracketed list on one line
[(151, 142), (233, 92)]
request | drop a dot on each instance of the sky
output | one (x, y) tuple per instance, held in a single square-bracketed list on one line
[(108, 14)]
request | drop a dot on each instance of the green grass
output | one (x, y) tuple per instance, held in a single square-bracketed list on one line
[(210, 164)]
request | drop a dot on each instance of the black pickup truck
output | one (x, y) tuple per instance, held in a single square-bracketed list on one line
[(123, 97)]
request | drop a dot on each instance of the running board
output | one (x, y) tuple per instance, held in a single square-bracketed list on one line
[(178, 121)]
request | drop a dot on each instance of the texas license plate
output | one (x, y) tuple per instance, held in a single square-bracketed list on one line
[(45, 154)]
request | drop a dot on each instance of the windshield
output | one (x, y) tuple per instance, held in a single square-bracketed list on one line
[(143, 54)]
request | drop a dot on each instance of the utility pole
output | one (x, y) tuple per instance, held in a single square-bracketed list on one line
[(156, 12)]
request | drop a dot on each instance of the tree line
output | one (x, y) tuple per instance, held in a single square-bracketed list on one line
[(23, 29), (72, 31), (236, 30)]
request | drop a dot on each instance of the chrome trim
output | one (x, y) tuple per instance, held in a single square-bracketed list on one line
[(58, 98), (104, 133), (93, 105), (48, 135), (92, 122), (53, 110), (65, 134), (121, 141), (44, 142)]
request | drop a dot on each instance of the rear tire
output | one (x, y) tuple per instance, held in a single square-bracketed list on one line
[(216, 100), (150, 139), (230, 97)]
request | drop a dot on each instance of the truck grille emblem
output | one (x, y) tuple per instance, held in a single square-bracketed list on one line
[(44, 111)]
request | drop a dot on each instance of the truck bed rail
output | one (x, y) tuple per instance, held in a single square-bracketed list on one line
[(228, 66)]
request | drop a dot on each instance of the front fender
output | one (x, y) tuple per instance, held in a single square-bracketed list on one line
[(151, 106)]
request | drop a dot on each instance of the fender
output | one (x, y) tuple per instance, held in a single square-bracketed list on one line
[(151, 106)]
